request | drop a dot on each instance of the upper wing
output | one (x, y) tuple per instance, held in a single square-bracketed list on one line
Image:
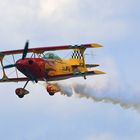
[(53, 48)]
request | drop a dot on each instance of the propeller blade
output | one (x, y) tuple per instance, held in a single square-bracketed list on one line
[(25, 50), (9, 66)]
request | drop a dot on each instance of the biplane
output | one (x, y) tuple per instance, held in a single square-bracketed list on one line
[(43, 65)]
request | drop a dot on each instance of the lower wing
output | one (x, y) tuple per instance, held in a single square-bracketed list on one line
[(71, 75), (22, 79), (56, 77)]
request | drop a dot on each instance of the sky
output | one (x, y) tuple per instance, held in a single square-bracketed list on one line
[(108, 106)]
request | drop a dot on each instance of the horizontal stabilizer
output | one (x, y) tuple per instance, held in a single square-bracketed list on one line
[(91, 65), (87, 65)]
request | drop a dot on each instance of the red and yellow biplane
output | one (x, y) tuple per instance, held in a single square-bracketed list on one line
[(46, 66)]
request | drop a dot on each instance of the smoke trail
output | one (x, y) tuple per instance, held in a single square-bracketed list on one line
[(66, 89), (105, 88), (102, 91), (126, 99)]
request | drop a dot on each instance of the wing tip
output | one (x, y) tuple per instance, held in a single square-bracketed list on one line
[(94, 45), (99, 72)]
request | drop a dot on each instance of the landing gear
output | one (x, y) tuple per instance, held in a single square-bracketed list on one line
[(51, 93), (20, 92), (52, 88), (20, 96)]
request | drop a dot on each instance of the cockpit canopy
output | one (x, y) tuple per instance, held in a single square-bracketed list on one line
[(51, 56)]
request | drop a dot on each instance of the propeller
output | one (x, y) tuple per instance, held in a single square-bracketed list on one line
[(9, 66), (25, 51), (24, 54)]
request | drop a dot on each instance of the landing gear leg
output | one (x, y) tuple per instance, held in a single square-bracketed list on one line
[(85, 77), (26, 84)]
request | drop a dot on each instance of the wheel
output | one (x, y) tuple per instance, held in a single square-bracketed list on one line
[(20, 92), (21, 96), (51, 93)]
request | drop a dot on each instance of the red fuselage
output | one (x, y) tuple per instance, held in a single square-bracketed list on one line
[(33, 68)]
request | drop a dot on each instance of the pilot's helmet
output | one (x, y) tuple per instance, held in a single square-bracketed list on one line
[(51, 55)]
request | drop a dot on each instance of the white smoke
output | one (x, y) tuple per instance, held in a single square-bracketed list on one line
[(124, 98), (103, 88), (66, 89), (102, 91)]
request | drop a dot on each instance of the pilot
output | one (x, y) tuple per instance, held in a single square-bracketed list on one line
[(51, 56)]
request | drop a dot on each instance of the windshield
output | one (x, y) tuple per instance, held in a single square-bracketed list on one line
[(51, 56)]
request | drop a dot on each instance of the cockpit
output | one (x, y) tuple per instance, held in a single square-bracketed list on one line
[(51, 56)]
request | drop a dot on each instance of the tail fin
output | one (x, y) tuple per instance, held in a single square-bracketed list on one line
[(78, 54)]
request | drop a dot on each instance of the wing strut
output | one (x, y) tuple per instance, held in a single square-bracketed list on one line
[(1, 61), (15, 67)]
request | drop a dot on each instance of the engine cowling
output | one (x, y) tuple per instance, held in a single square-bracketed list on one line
[(20, 92), (52, 89)]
